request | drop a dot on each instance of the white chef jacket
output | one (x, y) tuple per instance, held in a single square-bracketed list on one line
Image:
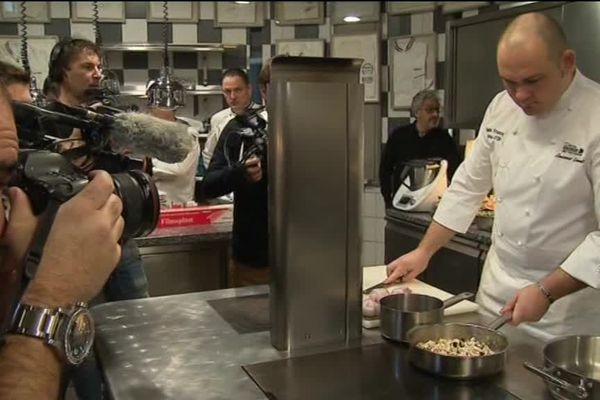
[(178, 181), (545, 172)]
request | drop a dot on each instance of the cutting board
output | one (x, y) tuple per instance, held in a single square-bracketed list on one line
[(376, 274)]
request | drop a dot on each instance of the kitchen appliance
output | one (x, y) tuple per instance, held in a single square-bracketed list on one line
[(422, 184), (460, 367), (402, 312), (571, 367)]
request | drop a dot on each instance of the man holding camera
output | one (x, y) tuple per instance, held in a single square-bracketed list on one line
[(233, 169), (30, 367)]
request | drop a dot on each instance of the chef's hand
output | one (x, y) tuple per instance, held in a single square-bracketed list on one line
[(408, 266), (253, 169), (528, 305)]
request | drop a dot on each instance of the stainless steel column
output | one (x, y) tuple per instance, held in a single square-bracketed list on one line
[(315, 190)]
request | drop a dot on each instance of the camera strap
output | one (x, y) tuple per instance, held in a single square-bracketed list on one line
[(34, 255)]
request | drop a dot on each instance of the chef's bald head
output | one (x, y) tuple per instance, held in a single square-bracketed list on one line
[(539, 28)]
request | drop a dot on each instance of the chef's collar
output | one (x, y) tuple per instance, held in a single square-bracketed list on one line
[(567, 97)]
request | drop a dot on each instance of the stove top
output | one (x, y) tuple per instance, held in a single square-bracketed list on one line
[(380, 371)]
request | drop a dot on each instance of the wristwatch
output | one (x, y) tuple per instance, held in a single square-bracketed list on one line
[(70, 331)]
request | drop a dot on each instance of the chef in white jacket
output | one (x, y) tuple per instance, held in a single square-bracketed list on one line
[(539, 149)]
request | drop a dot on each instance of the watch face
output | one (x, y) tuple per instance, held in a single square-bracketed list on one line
[(79, 336)]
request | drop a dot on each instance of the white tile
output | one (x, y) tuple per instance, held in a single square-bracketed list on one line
[(384, 130), (384, 26), (60, 9), (135, 31), (470, 13), (114, 59), (369, 229), (135, 76), (234, 36), (368, 253), (188, 75), (441, 47), (379, 257), (214, 60), (379, 205), (371, 189), (185, 33), (188, 109), (82, 30), (208, 105), (207, 10), (266, 52), (380, 230), (155, 60), (325, 30), (368, 206), (281, 32), (512, 4), (421, 23)]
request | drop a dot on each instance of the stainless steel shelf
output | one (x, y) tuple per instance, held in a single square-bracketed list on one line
[(158, 47), (198, 90)]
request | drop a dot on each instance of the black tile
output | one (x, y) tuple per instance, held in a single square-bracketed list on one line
[(259, 36), (207, 33), (253, 75), (440, 19), (112, 32), (384, 52), (440, 75), (9, 28), (136, 9), (135, 60), (398, 25), (119, 73), (60, 27), (394, 123), (384, 104), (306, 31), (256, 52), (214, 76), (185, 60), (155, 32), (234, 58), (489, 8), (153, 73)]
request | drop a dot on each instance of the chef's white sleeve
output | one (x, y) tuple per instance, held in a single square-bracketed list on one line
[(471, 182), (584, 262)]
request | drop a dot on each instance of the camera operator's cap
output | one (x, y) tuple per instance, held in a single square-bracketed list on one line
[(165, 92)]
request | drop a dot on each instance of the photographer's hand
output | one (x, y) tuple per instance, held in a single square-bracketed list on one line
[(82, 248), (253, 169)]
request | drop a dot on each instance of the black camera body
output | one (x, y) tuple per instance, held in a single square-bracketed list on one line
[(254, 129), (46, 176)]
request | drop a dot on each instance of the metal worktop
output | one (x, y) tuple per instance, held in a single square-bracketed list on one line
[(182, 347)]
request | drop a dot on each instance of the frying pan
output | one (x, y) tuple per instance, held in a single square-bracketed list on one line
[(402, 312), (454, 366)]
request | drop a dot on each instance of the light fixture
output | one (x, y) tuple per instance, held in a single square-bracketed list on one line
[(165, 91), (241, 2), (109, 82), (351, 18), (36, 94)]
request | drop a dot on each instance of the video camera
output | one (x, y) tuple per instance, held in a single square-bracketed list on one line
[(51, 178), (254, 129)]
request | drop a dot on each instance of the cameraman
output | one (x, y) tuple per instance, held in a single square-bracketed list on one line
[(29, 368), (248, 182)]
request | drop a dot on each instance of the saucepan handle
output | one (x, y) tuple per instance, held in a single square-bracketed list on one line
[(457, 299), (500, 321), (578, 391)]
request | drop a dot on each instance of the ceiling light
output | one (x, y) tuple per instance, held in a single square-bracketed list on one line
[(351, 18)]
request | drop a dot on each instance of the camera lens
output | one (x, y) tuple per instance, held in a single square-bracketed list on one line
[(141, 206)]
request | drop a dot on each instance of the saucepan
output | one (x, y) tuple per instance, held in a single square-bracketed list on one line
[(460, 367), (402, 312), (571, 367)]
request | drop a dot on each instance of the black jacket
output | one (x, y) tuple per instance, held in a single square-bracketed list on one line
[(250, 201), (405, 144)]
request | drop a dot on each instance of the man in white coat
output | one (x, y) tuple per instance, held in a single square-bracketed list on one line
[(539, 148)]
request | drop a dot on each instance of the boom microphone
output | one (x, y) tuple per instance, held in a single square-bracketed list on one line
[(146, 135)]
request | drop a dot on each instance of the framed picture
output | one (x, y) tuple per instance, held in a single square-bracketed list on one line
[(355, 11), (449, 7), (38, 52), (299, 12), (36, 11), (409, 7), (239, 14), (301, 47), (364, 46), (178, 11), (411, 67), (108, 11)]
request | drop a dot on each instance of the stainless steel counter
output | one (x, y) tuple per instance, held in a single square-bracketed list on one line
[(180, 347)]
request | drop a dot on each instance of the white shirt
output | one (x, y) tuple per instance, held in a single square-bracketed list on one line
[(544, 171), (217, 124), (177, 181)]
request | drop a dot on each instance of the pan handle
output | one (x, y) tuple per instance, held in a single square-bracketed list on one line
[(500, 321), (578, 391), (457, 299)]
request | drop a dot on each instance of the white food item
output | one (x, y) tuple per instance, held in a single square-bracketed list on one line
[(457, 347), (370, 308), (402, 290), (377, 294)]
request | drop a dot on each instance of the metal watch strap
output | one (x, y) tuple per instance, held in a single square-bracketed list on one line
[(545, 292), (38, 322)]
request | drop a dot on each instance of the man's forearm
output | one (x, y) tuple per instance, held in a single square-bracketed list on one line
[(29, 369), (436, 237), (560, 284)]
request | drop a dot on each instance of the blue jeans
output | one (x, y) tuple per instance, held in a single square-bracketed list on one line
[(128, 281)]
